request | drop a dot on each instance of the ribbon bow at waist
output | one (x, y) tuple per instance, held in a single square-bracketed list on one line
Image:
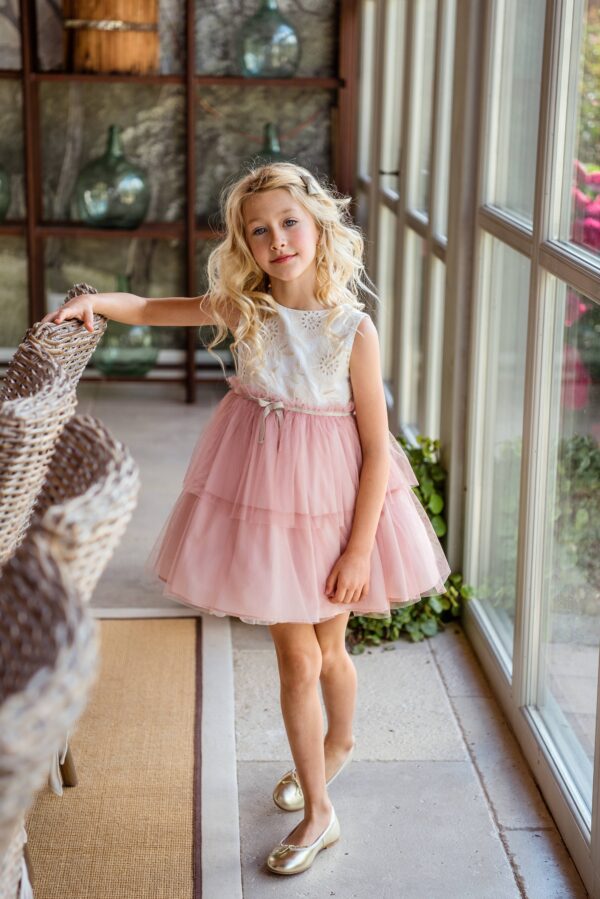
[(275, 406), (278, 407)]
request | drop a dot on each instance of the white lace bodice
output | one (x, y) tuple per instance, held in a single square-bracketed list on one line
[(302, 364)]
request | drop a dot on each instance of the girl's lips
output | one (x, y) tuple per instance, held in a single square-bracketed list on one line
[(285, 258)]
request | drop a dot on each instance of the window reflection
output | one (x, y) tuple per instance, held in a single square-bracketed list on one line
[(502, 380), (585, 194), (568, 673)]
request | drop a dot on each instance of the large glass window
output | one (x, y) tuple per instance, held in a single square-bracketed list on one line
[(433, 353), (501, 381), (516, 66), (567, 680), (367, 71), (412, 353), (392, 93), (581, 199), (385, 282), (419, 186), (445, 82), (397, 174)]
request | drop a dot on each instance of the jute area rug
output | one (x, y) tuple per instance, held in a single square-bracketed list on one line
[(131, 826)]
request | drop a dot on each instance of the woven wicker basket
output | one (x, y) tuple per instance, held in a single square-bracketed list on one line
[(48, 663), (36, 400), (69, 343)]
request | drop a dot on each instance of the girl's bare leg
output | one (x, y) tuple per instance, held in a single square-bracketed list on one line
[(338, 685), (299, 662)]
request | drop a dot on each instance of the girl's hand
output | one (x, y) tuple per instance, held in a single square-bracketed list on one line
[(351, 571), (80, 307)]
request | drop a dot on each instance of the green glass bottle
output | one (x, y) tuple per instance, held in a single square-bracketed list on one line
[(268, 44), (269, 152), (111, 191), (125, 350), (271, 148)]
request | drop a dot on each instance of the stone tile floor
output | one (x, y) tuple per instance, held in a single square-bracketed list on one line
[(437, 802)]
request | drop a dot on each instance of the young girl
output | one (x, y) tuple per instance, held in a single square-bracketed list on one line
[(296, 509)]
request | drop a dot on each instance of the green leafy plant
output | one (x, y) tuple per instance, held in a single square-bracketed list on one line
[(426, 617)]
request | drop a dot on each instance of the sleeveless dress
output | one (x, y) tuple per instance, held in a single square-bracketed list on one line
[(267, 502)]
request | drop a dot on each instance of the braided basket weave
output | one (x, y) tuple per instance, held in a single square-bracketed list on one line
[(69, 343), (88, 498), (37, 396), (48, 664), (36, 400)]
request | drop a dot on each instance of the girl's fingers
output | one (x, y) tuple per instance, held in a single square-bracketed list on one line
[(85, 316)]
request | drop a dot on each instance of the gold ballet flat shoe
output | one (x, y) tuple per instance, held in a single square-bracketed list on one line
[(288, 795), (286, 858)]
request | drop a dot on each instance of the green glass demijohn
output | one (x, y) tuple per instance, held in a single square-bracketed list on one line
[(271, 148), (125, 350), (269, 152), (268, 45), (111, 191), (4, 193)]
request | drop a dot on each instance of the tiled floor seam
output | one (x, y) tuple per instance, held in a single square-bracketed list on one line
[(519, 880)]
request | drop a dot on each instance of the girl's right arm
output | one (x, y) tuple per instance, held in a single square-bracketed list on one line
[(133, 310)]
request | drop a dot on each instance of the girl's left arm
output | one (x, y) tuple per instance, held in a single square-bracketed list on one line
[(352, 570)]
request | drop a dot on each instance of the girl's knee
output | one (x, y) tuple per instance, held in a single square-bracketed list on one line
[(299, 667), (334, 658)]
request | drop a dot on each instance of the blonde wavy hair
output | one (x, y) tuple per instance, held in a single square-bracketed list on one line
[(236, 283)]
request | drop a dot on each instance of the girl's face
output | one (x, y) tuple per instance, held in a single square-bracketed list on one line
[(278, 227)]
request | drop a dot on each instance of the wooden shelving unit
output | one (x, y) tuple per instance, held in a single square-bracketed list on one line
[(191, 229)]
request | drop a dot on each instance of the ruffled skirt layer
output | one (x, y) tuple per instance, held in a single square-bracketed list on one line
[(258, 526)]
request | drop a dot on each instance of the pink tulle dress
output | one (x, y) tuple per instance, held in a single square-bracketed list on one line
[(267, 502)]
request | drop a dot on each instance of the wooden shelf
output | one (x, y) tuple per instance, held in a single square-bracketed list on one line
[(219, 80), (124, 77), (13, 228), (241, 81), (149, 230)]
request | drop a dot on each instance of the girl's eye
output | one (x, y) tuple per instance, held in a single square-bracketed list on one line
[(257, 231)]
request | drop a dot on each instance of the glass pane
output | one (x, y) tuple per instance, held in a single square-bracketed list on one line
[(10, 36), (230, 134), (366, 78), (435, 341), (75, 120), (412, 344), (570, 635), (155, 267), (385, 284), (12, 154), (14, 315), (392, 93), (362, 211), (516, 62), (581, 211), (502, 376), (440, 217), (422, 87), (218, 24)]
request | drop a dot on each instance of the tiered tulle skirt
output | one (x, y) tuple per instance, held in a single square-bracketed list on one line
[(258, 526)]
